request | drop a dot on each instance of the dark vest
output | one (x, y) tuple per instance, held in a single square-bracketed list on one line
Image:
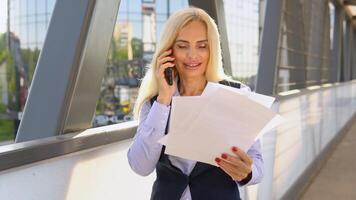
[(206, 182)]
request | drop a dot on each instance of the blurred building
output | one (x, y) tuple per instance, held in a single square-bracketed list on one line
[(149, 28), (242, 22), (122, 38), (29, 21), (139, 24)]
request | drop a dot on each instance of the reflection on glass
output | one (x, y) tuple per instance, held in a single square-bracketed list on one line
[(332, 19), (304, 46), (133, 44), (242, 22), (19, 51)]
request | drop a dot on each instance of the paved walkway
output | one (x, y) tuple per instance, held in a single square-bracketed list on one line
[(337, 178)]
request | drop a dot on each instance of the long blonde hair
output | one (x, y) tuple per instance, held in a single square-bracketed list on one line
[(174, 24)]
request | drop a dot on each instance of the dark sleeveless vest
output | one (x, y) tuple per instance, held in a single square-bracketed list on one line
[(206, 182)]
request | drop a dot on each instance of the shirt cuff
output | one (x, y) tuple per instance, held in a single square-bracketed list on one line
[(246, 180), (158, 116)]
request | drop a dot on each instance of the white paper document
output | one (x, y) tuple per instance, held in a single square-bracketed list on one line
[(203, 127)]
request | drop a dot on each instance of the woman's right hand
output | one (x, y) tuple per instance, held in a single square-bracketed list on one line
[(165, 91)]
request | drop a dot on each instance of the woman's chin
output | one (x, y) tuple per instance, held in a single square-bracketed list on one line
[(195, 74)]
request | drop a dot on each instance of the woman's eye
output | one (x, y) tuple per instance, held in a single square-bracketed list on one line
[(203, 46), (182, 46)]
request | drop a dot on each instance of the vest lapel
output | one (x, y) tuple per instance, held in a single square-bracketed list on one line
[(200, 168)]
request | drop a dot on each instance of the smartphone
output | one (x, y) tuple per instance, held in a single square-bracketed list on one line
[(168, 74)]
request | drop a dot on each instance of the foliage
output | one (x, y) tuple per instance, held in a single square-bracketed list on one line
[(6, 130)]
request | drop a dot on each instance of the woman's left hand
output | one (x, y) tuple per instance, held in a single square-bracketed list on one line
[(238, 166)]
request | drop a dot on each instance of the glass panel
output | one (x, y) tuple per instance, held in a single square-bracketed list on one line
[(134, 40), (31, 7), (242, 22), (41, 7), (304, 44), (26, 39)]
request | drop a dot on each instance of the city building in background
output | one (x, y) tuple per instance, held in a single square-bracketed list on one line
[(134, 41), (306, 61), (20, 43), (242, 22), (138, 27)]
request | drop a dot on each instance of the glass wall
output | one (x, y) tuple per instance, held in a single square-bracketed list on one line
[(138, 27), (304, 45), (242, 22), (139, 24), (332, 21), (20, 43)]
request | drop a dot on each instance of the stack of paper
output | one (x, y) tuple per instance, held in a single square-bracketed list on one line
[(203, 127)]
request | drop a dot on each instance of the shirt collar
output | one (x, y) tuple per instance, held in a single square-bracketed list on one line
[(176, 93)]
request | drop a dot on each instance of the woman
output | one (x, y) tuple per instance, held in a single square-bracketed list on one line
[(190, 44)]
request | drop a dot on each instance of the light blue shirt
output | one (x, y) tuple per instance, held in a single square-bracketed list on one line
[(145, 151)]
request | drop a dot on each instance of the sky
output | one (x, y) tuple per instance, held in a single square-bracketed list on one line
[(3, 10)]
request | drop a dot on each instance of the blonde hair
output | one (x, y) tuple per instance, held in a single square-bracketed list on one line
[(174, 24)]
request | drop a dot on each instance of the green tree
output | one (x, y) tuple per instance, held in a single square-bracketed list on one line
[(6, 126), (137, 47), (30, 58)]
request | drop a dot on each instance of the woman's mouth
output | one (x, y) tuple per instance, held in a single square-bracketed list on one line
[(191, 65)]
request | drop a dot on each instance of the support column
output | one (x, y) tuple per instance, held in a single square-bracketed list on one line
[(269, 48), (71, 66), (335, 67)]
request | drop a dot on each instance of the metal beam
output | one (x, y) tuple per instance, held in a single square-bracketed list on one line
[(67, 80), (347, 53), (215, 8), (335, 71), (351, 51), (269, 48), (353, 69)]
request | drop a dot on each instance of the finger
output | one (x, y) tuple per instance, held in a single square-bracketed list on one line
[(166, 59), (244, 156), (160, 70), (165, 54), (231, 170), (165, 66), (236, 161)]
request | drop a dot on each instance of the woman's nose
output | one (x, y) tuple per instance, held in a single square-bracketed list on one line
[(192, 53)]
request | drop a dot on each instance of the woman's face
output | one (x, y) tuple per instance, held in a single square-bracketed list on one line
[(191, 50)]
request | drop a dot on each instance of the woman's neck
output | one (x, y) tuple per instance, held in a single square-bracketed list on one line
[(192, 86)]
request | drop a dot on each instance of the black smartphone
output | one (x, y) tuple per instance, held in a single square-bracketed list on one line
[(168, 74)]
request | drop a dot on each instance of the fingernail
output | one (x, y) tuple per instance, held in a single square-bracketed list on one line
[(224, 155), (217, 160), (234, 149)]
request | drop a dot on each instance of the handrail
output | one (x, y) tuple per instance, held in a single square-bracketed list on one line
[(18, 154), (305, 91)]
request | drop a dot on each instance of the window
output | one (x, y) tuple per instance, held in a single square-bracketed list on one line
[(137, 30), (242, 22), (27, 36)]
